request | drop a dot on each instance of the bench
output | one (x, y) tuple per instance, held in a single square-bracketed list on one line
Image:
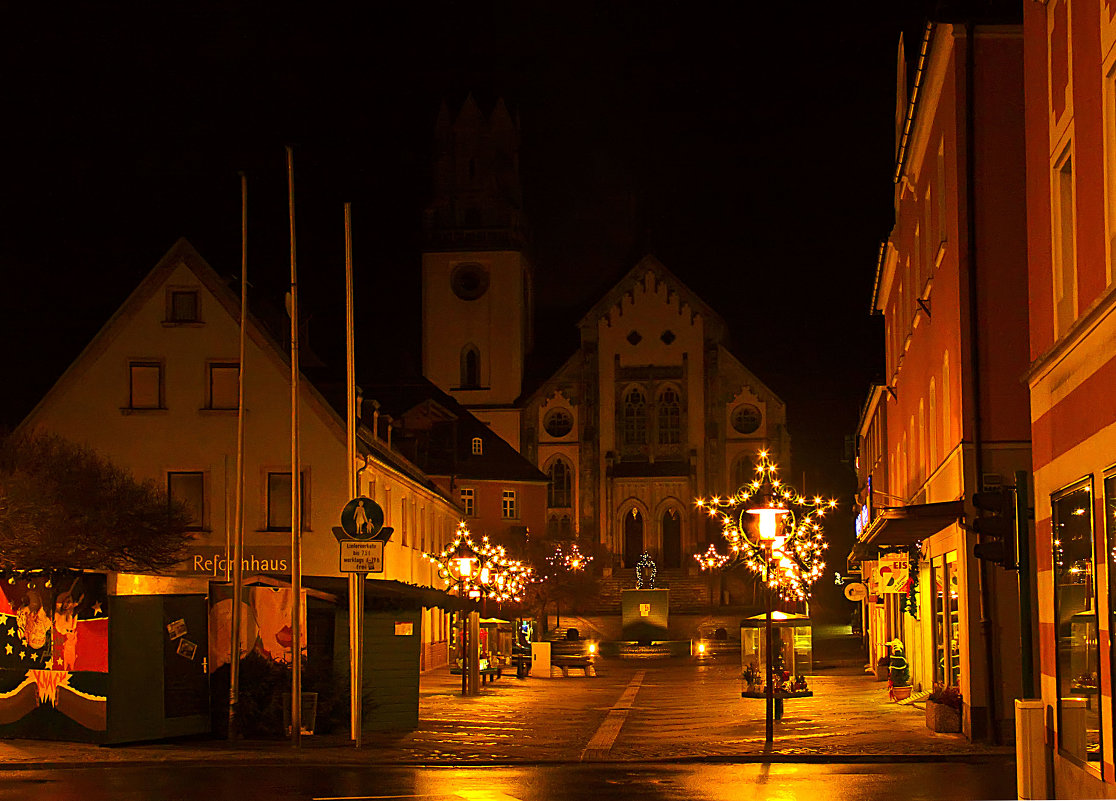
[(564, 663), (488, 674)]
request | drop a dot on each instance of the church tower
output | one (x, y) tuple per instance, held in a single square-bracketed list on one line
[(477, 299)]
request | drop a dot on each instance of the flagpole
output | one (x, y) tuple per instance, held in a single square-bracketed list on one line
[(356, 580), (238, 523), (296, 485)]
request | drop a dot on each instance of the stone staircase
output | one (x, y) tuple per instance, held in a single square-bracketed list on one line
[(688, 593)]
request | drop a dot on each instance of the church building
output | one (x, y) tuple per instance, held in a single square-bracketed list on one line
[(650, 412)]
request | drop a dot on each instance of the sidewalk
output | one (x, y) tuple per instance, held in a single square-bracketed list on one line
[(676, 710)]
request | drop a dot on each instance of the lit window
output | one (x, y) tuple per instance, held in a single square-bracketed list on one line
[(279, 502), (468, 501), (224, 386), (189, 490), (145, 390), (478, 446), (559, 495), (1078, 670), (511, 510), (182, 306)]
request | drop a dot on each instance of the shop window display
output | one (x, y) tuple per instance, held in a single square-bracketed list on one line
[(1075, 611), (947, 620)]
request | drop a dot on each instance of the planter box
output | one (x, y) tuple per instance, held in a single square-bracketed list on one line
[(943, 718)]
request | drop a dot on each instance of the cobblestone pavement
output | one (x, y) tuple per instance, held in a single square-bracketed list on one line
[(632, 711)]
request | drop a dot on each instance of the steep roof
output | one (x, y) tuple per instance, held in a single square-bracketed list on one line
[(418, 400)]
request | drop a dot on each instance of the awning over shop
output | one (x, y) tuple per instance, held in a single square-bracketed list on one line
[(905, 525)]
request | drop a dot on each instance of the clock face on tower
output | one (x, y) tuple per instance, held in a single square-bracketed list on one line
[(469, 281)]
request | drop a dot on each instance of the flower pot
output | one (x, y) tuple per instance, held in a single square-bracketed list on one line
[(943, 718), (901, 693)]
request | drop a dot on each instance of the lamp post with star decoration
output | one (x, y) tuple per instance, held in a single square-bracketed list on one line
[(776, 532)]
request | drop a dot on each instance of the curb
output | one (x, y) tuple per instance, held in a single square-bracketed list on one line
[(715, 759)]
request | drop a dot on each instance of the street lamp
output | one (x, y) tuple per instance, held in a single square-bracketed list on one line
[(770, 516), (461, 567), (785, 546), (478, 571)]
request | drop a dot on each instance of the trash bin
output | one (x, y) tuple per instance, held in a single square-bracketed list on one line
[(309, 712)]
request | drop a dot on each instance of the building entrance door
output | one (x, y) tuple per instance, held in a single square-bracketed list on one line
[(633, 538), (672, 539)]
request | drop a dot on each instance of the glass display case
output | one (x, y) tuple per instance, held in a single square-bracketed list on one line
[(792, 655)]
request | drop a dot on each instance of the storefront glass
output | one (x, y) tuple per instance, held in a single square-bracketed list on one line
[(1075, 611), (947, 623)]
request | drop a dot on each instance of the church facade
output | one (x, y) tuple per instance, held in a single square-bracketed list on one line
[(651, 410)]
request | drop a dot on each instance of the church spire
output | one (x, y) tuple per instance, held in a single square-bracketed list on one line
[(477, 201)]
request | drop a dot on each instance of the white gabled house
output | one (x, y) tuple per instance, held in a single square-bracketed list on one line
[(155, 391)]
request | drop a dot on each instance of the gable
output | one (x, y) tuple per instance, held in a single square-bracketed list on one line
[(652, 292)]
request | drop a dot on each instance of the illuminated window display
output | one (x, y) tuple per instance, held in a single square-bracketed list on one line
[(947, 620), (1075, 612)]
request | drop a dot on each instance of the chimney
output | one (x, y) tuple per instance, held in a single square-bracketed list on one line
[(375, 419)]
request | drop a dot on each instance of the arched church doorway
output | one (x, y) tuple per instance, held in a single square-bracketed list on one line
[(672, 539), (633, 538)]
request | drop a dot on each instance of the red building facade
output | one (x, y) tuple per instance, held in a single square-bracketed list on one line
[(951, 415), (1070, 54)]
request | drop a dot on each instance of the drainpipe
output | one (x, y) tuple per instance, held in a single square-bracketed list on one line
[(974, 359)]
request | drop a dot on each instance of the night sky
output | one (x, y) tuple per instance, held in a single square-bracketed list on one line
[(749, 147)]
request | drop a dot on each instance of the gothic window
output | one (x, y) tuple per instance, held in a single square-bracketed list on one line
[(559, 527), (470, 367), (743, 472), (670, 417), (635, 417), (559, 494)]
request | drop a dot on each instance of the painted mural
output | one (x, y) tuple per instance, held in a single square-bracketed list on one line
[(265, 623), (54, 630)]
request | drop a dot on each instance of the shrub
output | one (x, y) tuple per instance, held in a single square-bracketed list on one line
[(950, 696)]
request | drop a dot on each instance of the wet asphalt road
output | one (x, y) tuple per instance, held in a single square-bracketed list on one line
[(700, 782)]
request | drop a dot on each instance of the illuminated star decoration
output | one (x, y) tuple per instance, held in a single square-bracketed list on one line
[(799, 545), (494, 575), (711, 559), (571, 559)]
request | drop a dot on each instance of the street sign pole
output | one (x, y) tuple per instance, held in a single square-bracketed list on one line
[(356, 580), (361, 539)]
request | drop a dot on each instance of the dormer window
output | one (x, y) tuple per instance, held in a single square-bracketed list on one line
[(478, 446), (182, 306)]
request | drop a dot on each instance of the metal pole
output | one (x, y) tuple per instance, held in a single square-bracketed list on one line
[(1023, 559), (238, 522), (356, 580), (464, 648), (296, 486), (770, 700)]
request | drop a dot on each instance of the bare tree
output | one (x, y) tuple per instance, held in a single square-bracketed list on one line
[(64, 506)]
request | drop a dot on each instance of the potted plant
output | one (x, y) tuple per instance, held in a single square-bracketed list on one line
[(899, 683), (943, 709)]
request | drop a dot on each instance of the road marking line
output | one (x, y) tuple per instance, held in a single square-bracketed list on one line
[(601, 742)]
